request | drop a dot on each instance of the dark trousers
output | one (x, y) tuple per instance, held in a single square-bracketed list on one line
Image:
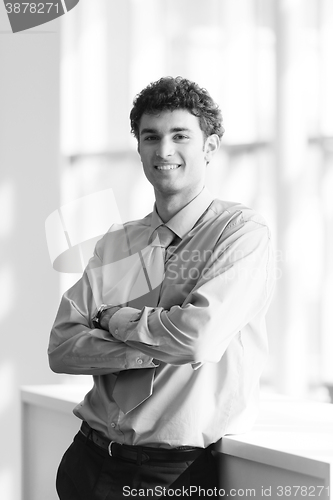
[(87, 472)]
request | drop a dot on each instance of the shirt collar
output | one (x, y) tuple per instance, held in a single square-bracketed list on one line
[(183, 221)]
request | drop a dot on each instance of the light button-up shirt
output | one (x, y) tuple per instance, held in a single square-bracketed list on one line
[(206, 337)]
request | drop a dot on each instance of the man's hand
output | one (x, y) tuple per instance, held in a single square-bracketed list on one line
[(106, 316)]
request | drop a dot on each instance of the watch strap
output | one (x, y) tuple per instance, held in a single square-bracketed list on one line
[(96, 320)]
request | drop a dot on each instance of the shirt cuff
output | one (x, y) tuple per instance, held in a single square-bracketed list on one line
[(136, 359), (120, 321)]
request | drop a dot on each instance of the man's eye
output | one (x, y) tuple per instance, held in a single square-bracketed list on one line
[(151, 138), (181, 137)]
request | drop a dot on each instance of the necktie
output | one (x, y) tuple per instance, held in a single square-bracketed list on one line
[(134, 386)]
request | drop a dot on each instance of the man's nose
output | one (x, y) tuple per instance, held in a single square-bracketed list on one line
[(165, 149)]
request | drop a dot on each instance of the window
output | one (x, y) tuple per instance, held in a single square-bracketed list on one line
[(268, 64)]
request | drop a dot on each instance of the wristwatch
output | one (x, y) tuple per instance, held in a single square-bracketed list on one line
[(96, 320)]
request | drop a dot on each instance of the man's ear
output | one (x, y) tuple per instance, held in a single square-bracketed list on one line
[(212, 145)]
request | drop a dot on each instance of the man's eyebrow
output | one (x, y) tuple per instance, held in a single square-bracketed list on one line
[(148, 131), (154, 131), (180, 129)]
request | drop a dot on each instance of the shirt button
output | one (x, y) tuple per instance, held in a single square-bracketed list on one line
[(113, 425), (116, 331), (139, 361)]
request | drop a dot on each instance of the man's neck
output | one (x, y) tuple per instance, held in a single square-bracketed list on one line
[(168, 206)]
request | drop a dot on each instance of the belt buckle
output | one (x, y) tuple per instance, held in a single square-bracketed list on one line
[(110, 448)]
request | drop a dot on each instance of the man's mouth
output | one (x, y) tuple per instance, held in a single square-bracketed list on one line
[(167, 166)]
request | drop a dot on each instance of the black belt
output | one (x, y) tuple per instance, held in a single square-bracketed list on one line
[(140, 454)]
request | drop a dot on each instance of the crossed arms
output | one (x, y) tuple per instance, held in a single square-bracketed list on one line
[(235, 289)]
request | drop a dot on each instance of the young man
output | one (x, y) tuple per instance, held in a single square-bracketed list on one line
[(175, 365)]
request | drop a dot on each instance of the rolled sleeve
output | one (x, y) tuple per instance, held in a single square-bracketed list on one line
[(120, 322), (136, 359)]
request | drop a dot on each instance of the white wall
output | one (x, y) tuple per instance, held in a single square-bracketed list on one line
[(29, 192)]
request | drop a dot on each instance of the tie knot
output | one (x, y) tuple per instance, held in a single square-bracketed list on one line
[(163, 237)]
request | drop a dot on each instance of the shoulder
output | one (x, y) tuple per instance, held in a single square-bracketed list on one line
[(130, 227), (138, 224), (236, 211), (119, 236), (233, 217)]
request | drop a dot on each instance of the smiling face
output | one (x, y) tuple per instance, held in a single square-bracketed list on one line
[(174, 153)]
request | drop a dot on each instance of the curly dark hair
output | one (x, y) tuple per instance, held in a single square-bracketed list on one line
[(170, 93)]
